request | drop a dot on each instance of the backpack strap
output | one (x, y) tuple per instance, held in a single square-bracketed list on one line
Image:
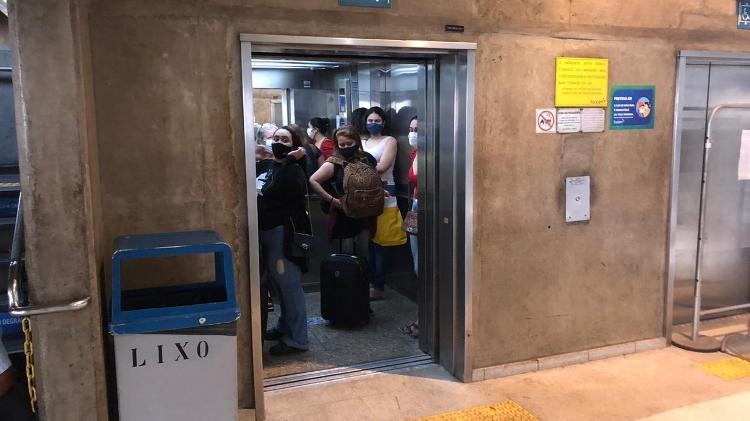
[(335, 160)]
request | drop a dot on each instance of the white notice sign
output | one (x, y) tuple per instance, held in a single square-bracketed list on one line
[(568, 120), (546, 120), (743, 172), (592, 120)]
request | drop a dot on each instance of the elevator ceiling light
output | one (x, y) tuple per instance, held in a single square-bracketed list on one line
[(294, 64), (405, 70)]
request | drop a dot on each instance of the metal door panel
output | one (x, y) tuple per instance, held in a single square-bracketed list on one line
[(726, 260), (445, 152), (307, 104), (427, 173)]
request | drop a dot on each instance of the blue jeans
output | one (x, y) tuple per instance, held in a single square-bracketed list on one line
[(378, 262), (379, 255), (286, 280), (413, 242)]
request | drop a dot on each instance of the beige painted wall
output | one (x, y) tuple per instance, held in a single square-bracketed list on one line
[(263, 103), (169, 128)]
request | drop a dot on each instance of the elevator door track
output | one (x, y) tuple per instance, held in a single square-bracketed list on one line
[(339, 373)]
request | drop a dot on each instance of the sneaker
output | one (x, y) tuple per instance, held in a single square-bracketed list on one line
[(281, 349), (273, 335)]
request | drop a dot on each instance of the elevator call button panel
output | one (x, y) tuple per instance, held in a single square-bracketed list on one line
[(577, 199)]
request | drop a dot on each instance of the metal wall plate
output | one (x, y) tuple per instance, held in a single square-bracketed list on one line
[(384, 4), (577, 199)]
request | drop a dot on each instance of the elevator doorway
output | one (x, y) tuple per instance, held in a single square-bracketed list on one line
[(332, 77), (707, 81), (323, 94)]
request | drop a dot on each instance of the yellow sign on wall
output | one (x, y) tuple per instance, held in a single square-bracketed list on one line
[(581, 82)]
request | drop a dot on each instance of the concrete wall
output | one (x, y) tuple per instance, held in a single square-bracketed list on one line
[(548, 287), (170, 137), (61, 208), (169, 143)]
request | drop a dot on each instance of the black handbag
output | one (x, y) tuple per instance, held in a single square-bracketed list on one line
[(302, 244)]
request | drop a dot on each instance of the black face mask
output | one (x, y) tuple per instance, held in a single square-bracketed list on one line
[(280, 150), (349, 152)]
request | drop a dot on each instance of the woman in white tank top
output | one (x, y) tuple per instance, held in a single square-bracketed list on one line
[(383, 149)]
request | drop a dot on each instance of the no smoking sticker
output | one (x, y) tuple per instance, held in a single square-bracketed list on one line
[(546, 120)]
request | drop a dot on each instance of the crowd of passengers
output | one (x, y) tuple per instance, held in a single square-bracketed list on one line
[(292, 163)]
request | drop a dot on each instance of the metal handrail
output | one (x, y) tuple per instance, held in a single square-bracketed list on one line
[(697, 313), (15, 296)]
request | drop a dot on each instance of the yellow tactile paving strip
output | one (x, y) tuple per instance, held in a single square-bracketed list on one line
[(728, 368), (502, 411)]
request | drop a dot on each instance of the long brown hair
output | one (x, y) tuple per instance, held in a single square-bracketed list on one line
[(296, 138)]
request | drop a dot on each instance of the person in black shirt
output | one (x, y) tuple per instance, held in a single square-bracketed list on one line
[(281, 213)]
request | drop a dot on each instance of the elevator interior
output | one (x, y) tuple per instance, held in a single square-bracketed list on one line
[(293, 90), (708, 81)]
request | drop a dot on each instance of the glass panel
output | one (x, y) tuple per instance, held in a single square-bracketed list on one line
[(726, 262), (691, 165)]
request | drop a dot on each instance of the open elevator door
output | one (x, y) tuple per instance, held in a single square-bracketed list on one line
[(445, 249)]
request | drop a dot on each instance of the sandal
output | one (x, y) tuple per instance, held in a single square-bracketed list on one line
[(412, 329)]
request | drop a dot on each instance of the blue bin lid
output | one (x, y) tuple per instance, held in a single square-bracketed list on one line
[(219, 306), (169, 243)]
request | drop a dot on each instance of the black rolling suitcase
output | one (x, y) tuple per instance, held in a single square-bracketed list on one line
[(344, 291)]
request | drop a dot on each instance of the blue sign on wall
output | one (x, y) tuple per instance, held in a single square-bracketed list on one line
[(743, 14), (10, 325), (633, 107), (385, 4)]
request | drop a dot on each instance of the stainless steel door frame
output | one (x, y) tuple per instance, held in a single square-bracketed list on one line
[(451, 176), (428, 166), (460, 214), (673, 198), (685, 59)]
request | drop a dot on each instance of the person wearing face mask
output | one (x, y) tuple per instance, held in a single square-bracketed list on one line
[(413, 137), (281, 213), (389, 224), (317, 129), (264, 139), (412, 329), (328, 182)]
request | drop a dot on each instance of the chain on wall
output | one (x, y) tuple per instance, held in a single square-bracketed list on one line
[(28, 350)]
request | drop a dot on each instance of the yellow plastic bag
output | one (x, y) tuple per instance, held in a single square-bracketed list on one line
[(389, 231)]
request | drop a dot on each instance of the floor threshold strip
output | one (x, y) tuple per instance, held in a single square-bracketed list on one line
[(338, 373)]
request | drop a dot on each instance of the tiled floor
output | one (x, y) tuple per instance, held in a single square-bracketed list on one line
[(661, 385), (336, 347), (665, 384)]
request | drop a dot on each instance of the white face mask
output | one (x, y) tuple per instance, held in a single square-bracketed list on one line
[(310, 132), (269, 142), (413, 136)]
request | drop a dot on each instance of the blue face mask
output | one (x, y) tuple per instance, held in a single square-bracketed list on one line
[(374, 128)]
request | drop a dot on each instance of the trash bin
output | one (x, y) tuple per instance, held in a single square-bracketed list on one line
[(175, 346)]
